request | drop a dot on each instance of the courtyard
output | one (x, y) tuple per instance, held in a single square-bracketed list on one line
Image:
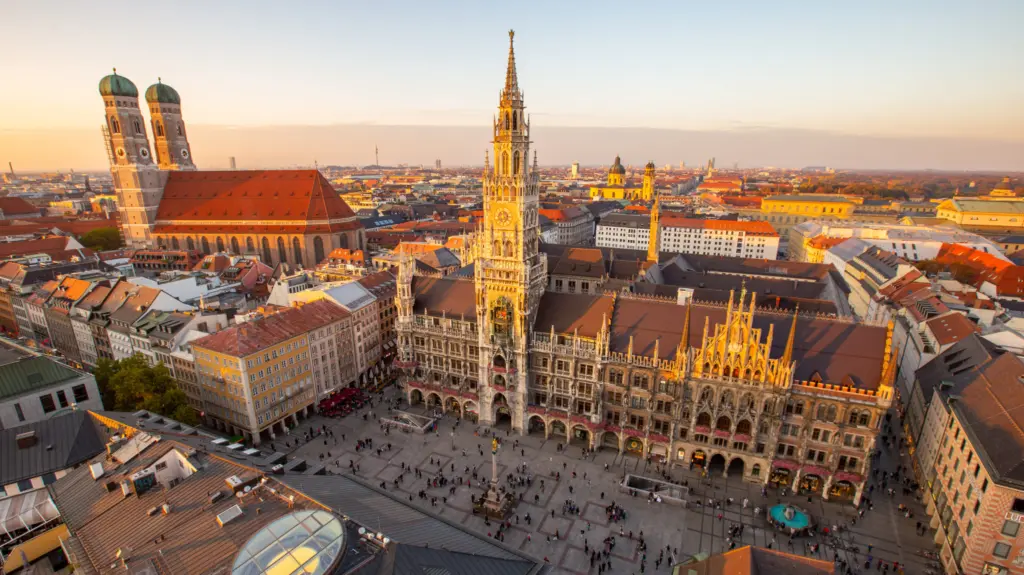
[(676, 531)]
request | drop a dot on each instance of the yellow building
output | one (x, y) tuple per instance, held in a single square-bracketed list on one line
[(256, 377), (619, 189), (979, 213), (813, 206), (1003, 189)]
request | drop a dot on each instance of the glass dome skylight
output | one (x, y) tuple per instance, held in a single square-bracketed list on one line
[(304, 542)]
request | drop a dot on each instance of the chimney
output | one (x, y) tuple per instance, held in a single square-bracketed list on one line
[(26, 439)]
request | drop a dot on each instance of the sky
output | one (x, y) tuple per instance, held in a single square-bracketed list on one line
[(941, 71)]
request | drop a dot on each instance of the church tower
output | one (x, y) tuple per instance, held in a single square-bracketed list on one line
[(648, 189), (137, 180), (510, 273), (171, 142), (653, 244)]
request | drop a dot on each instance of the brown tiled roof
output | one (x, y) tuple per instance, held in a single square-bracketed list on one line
[(253, 336), (292, 197), (188, 539), (15, 206), (991, 407), (448, 296), (568, 312), (9, 270), (53, 246), (95, 298), (751, 560), (951, 328)]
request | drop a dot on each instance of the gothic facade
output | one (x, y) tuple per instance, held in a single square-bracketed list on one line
[(794, 399)]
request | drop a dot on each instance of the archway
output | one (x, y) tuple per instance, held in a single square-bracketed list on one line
[(681, 454), (174, 244), (250, 247), (415, 397), (469, 411), (716, 464), (451, 405), (723, 424), (318, 250), (635, 446), (704, 419), (743, 427), (558, 429), (811, 483), (736, 467), (536, 426), (220, 245), (235, 249), (191, 244), (433, 400), (499, 362), (502, 413), (699, 458), (842, 491), (580, 436), (610, 439), (206, 246)]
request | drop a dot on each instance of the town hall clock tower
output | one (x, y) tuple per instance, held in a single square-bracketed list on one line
[(510, 273)]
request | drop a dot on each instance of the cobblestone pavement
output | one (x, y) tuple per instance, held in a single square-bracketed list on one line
[(680, 532)]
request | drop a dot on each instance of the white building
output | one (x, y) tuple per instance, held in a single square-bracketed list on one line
[(910, 242), (690, 235)]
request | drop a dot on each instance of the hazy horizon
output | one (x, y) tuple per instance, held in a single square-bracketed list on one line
[(256, 147)]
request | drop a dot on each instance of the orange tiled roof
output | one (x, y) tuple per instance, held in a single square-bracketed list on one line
[(291, 197), (951, 328), (825, 242), (250, 337), (15, 206)]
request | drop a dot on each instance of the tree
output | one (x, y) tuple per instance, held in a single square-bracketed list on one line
[(132, 384), (102, 239)]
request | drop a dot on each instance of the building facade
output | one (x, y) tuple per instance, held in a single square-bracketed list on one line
[(618, 188), (658, 377), (682, 235)]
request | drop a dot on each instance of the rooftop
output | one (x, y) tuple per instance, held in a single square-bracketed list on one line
[(251, 337), (61, 442)]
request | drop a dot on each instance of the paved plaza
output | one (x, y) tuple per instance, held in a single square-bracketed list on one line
[(679, 532)]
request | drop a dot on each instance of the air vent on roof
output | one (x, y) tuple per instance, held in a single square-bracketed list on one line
[(229, 515), (96, 468), (216, 496), (26, 439)]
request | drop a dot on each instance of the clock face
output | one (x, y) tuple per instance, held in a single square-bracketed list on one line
[(184, 153), (144, 152), (503, 217), (120, 152)]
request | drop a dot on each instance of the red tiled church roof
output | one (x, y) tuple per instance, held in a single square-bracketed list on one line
[(196, 201)]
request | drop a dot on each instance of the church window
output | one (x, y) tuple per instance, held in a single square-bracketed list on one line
[(220, 244), (343, 241), (206, 246), (249, 246), (181, 131), (282, 254), (138, 127), (158, 129), (515, 164), (515, 122), (506, 121), (191, 244), (114, 126), (318, 250), (234, 246), (174, 243), (504, 163)]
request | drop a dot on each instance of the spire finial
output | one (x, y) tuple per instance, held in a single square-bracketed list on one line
[(511, 82), (159, 80), (115, 70)]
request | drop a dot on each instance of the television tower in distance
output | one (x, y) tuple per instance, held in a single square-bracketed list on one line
[(231, 162)]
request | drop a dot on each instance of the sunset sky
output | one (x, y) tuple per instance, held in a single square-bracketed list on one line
[(906, 71)]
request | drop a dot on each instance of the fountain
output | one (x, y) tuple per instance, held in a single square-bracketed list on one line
[(786, 516)]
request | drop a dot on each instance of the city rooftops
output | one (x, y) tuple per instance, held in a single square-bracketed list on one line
[(254, 336)]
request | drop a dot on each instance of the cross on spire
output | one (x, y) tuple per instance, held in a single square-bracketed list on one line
[(511, 91)]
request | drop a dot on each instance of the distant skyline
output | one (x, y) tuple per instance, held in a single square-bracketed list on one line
[(923, 81)]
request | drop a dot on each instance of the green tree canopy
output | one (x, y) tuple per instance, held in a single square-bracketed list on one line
[(131, 384), (102, 239)]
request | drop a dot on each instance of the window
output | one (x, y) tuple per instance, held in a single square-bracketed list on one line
[(1001, 550), (62, 398), (47, 403), (1010, 528), (25, 485), (19, 412)]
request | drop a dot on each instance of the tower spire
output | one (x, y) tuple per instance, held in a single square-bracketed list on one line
[(511, 81), (652, 245), (787, 355)]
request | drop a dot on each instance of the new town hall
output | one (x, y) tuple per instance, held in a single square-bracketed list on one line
[(774, 396)]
